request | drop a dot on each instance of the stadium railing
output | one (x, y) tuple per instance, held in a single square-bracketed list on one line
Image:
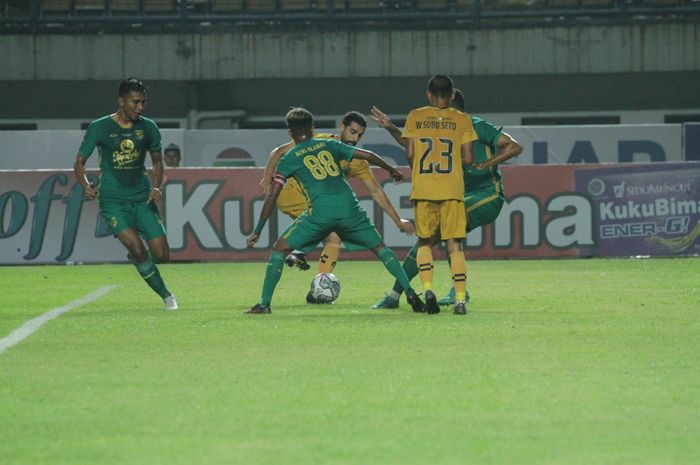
[(73, 14)]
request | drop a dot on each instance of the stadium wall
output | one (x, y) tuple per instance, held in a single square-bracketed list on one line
[(627, 67), (551, 211)]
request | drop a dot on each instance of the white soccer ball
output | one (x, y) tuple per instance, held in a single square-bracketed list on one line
[(325, 288)]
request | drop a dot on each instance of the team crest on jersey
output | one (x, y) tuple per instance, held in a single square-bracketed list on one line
[(126, 155), (139, 134)]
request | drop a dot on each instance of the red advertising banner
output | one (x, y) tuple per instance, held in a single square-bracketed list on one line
[(551, 211)]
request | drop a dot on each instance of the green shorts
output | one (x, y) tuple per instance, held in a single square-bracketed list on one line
[(357, 231), (141, 216), (482, 208)]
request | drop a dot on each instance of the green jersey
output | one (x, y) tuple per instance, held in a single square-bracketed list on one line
[(315, 163), (122, 154), (484, 148)]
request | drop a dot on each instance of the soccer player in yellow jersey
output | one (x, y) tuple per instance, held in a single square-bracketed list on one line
[(439, 140), (293, 200)]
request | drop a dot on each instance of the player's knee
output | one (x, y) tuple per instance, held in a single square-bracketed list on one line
[(139, 254), (454, 245), (281, 246), (162, 256)]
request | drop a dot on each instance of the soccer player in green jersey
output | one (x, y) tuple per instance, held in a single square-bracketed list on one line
[(127, 198), (483, 185), (333, 207)]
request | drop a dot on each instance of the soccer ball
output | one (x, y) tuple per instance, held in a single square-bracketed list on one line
[(325, 288)]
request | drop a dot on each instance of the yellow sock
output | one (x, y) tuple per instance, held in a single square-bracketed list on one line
[(424, 259), (329, 257), (458, 265)]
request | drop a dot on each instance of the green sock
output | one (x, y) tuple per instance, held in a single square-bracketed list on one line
[(392, 264), (272, 277), (149, 272), (410, 267)]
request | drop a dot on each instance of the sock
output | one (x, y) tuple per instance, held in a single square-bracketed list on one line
[(458, 265), (329, 257), (392, 264), (424, 258), (449, 263), (272, 276), (149, 272), (411, 269)]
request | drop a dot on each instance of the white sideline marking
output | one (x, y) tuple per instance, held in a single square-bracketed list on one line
[(31, 326)]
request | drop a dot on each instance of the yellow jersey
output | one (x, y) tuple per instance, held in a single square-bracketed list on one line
[(438, 135), (293, 199)]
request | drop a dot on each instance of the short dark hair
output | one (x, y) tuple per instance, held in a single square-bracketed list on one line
[(173, 148), (458, 100), (441, 86), (131, 84), (354, 117), (300, 121)]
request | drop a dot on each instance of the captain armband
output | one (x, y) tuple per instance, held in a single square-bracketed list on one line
[(279, 179)]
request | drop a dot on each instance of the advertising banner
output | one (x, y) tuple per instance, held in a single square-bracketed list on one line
[(250, 147), (644, 209), (550, 211)]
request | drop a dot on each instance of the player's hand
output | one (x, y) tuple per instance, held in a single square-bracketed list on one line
[(396, 176), (406, 227), (479, 166), (90, 191), (252, 239), (380, 117), (155, 195), (265, 186)]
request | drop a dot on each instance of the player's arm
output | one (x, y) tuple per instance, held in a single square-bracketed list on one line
[(409, 151), (507, 149), (467, 153), (380, 197), (278, 182), (376, 160), (79, 170), (156, 193), (272, 160), (385, 122)]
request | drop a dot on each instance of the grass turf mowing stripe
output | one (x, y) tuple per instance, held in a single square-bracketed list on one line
[(33, 325)]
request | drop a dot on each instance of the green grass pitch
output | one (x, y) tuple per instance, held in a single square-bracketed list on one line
[(557, 362)]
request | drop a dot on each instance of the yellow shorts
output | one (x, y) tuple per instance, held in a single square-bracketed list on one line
[(292, 201), (444, 216)]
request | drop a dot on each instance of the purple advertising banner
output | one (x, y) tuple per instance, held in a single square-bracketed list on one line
[(644, 209)]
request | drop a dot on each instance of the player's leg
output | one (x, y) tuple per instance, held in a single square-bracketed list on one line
[(326, 264), (273, 273), (150, 227), (303, 234), (424, 260), (427, 215), (448, 299), (482, 208), (292, 202), (452, 231), (458, 266), (393, 266), (391, 299), (330, 254), (358, 232), (410, 266), (160, 249), (142, 260), (122, 220)]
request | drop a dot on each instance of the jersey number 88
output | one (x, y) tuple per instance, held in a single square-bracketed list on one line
[(321, 165)]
